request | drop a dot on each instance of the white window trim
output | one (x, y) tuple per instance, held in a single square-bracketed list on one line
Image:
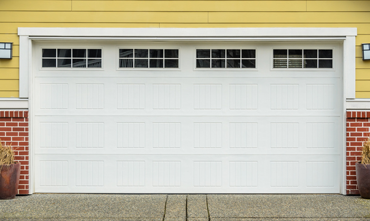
[(345, 35)]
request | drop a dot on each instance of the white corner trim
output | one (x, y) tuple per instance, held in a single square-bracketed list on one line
[(13, 103), (358, 104)]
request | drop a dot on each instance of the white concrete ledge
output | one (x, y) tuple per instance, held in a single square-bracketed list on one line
[(358, 104), (13, 103)]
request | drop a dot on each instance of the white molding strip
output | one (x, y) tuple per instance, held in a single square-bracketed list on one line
[(13, 104), (188, 32), (358, 104)]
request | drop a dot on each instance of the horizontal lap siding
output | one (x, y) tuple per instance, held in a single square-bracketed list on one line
[(193, 13)]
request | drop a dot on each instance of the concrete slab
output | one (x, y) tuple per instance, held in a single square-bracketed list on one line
[(197, 206), (286, 206), (175, 208), (85, 206)]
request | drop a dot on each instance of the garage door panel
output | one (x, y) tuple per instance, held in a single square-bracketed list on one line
[(226, 173), (189, 130), (192, 134)]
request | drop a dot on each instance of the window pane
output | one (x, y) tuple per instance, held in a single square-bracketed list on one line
[(94, 63), (218, 53), (325, 64), (126, 63), (49, 53), (280, 53), (325, 53), (310, 53), (94, 53), (233, 63), (295, 63), (141, 53), (295, 53), (65, 53), (126, 53), (49, 63), (201, 53), (231, 53), (248, 63), (156, 63), (64, 63), (203, 63), (280, 63), (79, 53), (79, 63), (171, 53), (217, 63), (156, 53), (248, 53), (171, 63), (141, 63), (310, 63)]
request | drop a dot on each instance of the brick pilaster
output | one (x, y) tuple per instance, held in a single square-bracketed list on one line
[(14, 131), (358, 125)]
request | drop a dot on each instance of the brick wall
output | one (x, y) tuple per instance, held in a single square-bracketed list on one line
[(14, 131), (357, 132)]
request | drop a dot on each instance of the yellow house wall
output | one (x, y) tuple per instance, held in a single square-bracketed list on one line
[(180, 14)]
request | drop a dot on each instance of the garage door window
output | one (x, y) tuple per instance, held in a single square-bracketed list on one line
[(226, 58), (303, 58), (71, 58), (148, 58)]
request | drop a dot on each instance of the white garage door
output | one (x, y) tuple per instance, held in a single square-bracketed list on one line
[(178, 117)]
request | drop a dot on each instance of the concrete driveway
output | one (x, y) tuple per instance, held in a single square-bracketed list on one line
[(184, 207)]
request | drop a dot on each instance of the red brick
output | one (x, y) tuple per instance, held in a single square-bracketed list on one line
[(23, 162), (366, 124), (366, 134), (23, 182), (23, 192), (351, 139), (351, 129), (351, 158), (22, 124), (349, 114), (6, 119), (18, 138), (18, 119), (351, 168), (12, 134), (350, 187), (17, 158), (355, 124), (356, 134), (23, 153), (5, 128), (362, 129), (351, 149), (18, 129), (362, 139), (11, 124), (355, 144), (362, 120), (5, 138), (351, 120), (348, 177), (23, 134), (24, 172), (25, 114), (23, 143), (353, 182)]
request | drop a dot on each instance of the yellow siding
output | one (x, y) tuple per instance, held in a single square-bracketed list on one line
[(181, 14), (189, 6)]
